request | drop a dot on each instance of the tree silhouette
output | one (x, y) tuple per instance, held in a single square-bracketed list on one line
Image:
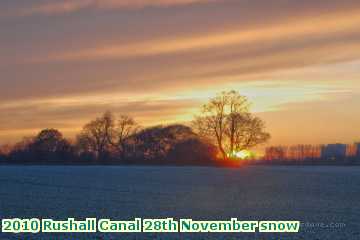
[(125, 128), (226, 120), (49, 145), (97, 136), (155, 143)]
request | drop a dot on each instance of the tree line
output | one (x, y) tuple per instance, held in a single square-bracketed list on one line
[(223, 127)]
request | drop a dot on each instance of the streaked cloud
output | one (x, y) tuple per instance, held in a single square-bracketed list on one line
[(291, 30), (58, 7), (65, 62), (268, 100)]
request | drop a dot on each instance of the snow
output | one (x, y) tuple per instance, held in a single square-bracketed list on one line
[(312, 195)]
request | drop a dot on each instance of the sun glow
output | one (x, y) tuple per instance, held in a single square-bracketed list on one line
[(243, 154)]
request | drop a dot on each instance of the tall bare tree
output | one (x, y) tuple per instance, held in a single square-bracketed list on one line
[(97, 136), (125, 128), (226, 120)]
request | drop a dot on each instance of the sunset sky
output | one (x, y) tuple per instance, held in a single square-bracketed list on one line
[(63, 63)]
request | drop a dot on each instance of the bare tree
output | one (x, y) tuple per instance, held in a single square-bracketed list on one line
[(245, 131), (126, 127), (226, 120), (5, 149), (24, 144), (97, 136)]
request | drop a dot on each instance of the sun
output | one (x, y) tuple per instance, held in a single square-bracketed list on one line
[(243, 154)]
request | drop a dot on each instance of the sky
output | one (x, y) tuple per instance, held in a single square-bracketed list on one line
[(65, 62)]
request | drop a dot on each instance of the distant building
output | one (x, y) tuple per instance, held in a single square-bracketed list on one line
[(308, 152), (357, 146), (351, 150), (304, 152), (334, 151), (275, 153), (295, 152)]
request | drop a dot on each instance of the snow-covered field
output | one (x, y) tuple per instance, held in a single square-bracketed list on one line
[(314, 195)]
